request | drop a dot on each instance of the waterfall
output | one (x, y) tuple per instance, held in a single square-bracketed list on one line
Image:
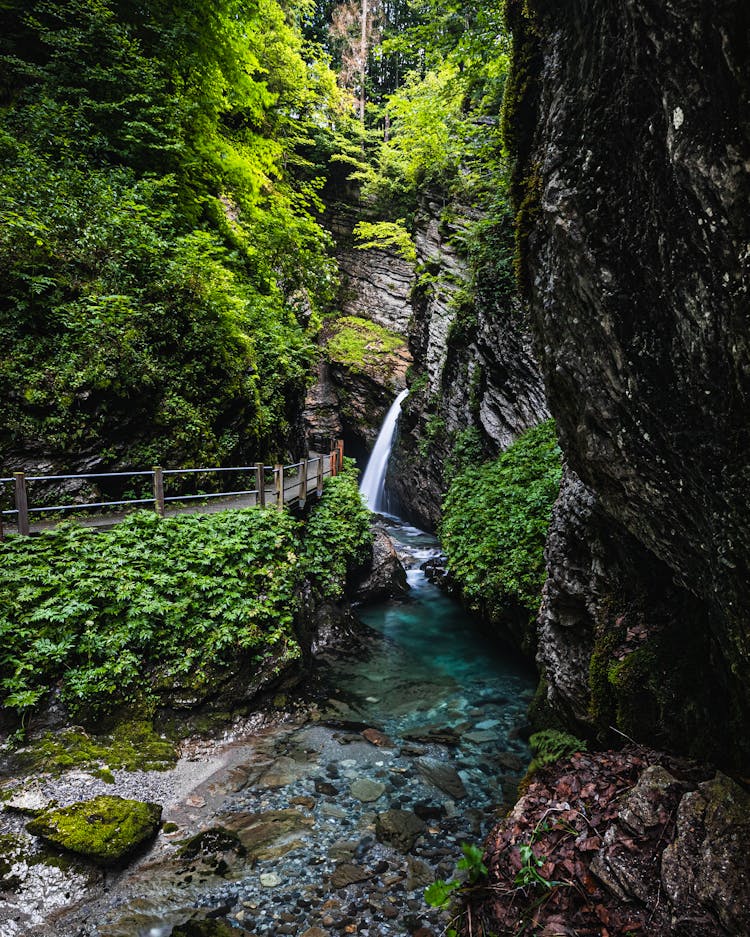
[(372, 487)]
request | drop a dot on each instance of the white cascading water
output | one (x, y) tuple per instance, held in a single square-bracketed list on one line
[(372, 487)]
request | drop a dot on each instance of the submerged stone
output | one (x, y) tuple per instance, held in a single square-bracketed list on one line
[(107, 830), (269, 834), (399, 828), (366, 790), (444, 776), (347, 873), (206, 928)]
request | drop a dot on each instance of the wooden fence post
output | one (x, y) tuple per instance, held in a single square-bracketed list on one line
[(340, 448), (158, 490), (22, 503), (279, 473), (304, 466), (260, 482), (320, 476)]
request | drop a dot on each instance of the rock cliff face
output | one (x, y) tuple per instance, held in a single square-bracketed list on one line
[(350, 399), (631, 131), (376, 284), (475, 383)]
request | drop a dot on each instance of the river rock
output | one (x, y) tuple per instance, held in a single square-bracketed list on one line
[(269, 834), (366, 790), (347, 873), (106, 829), (419, 874), (399, 828), (207, 928), (29, 801), (384, 576), (284, 771), (443, 776), (270, 880), (378, 738)]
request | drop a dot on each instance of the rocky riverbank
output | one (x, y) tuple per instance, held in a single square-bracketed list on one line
[(327, 815)]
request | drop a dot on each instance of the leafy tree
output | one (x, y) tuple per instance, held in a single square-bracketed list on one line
[(162, 264)]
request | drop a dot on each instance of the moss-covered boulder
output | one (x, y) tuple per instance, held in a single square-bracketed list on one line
[(107, 830), (208, 928)]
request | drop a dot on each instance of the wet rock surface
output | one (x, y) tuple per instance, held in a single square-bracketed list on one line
[(281, 837), (621, 842), (638, 286), (384, 576), (473, 367)]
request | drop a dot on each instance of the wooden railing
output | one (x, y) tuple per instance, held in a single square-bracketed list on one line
[(271, 485)]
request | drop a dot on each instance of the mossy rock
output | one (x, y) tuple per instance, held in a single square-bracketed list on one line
[(212, 928), (107, 830), (133, 745)]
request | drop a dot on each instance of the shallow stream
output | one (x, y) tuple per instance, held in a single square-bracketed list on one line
[(334, 821)]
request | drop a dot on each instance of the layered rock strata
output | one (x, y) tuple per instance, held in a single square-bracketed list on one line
[(475, 383)]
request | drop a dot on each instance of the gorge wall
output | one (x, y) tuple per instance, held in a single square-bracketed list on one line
[(362, 368), (475, 384), (631, 134)]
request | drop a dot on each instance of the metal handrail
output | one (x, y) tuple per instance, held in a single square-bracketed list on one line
[(320, 465)]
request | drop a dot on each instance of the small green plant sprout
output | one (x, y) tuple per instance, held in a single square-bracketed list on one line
[(441, 893), (472, 863), (529, 874)]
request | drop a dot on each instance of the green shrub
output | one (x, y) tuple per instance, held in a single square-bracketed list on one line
[(495, 520), (338, 533), (128, 614), (112, 616)]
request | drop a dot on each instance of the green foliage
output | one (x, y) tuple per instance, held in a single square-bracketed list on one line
[(495, 520), (451, 895), (467, 450), (529, 875), (385, 235), (472, 863), (440, 893), (159, 260), (434, 433), (117, 616), (360, 344), (551, 745), (132, 614), (442, 123), (337, 534)]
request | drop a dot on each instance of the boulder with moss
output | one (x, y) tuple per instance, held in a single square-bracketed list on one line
[(107, 830)]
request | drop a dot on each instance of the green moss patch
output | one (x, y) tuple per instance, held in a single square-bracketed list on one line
[(107, 830), (133, 746), (361, 345)]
